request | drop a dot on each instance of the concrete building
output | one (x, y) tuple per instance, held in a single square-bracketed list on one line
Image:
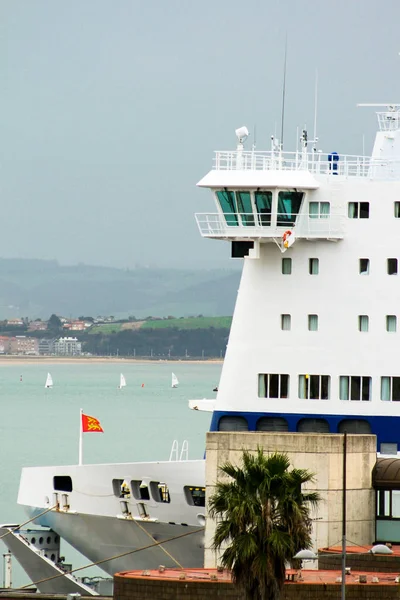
[(323, 456), (22, 344), (67, 346), (4, 344), (37, 326), (46, 346)]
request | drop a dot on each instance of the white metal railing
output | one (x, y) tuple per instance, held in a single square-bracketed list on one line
[(250, 226), (314, 162)]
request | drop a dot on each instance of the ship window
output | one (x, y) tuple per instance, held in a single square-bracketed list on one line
[(312, 322), (286, 266), (140, 490), (358, 210), (286, 322), (263, 202), (273, 386), (232, 423), (289, 203), (354, 387), (364, 266), (272, 424), (314, 387), (388, 448), (195, 496), (392, 266), (313, 426), (160, 492), (228, 206), (391, 323), (360, 426), (363, 323), (397, 210), (313, 266), (62, 483), (319, 210), (390, 388), (244, 207)]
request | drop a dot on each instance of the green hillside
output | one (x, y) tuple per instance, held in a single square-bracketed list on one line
[(190, 323)]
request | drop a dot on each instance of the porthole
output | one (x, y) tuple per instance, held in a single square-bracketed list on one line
[(33, 540), (53, 557), (48, 540), (40, 540)]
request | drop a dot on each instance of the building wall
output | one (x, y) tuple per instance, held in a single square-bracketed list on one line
[(323, 456), (126, 588)]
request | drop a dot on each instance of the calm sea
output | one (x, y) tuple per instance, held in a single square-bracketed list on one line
[(140, 422)]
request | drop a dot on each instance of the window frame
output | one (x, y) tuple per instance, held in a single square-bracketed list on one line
[(309, 382), (264, 383)]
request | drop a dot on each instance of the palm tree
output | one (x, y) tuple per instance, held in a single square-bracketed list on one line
[(263, 520)]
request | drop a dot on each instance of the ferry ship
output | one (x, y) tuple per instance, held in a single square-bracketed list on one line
[(312, 348)]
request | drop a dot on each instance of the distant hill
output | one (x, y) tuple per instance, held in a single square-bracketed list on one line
[(38, 288)]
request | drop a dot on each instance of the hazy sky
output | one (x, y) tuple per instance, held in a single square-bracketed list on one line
[(111, 110)]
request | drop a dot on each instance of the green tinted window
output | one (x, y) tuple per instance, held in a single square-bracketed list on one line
[(289, 203), (228, 206), (244, 207), (263, 201)]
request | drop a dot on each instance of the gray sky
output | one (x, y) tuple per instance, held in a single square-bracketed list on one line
[(111, 110)]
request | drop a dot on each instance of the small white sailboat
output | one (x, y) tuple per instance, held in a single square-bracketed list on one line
[(122, 382), (175, 381), (49, 381)]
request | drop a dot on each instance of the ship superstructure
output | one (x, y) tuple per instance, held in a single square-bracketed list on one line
[(314, 339), (313, 344)]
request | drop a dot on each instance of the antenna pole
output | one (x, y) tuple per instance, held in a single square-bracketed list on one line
[(315, 104), (283, 95)]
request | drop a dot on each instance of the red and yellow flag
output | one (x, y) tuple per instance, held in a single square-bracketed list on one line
[(90, 424)]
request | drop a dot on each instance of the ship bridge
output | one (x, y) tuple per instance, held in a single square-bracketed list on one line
[(260, 195)]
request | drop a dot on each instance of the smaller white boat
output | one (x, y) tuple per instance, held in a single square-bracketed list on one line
[(122, 382), (49, 381), (175, 381)]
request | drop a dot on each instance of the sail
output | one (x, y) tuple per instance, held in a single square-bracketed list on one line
[(175, 381), (49, 381), (122, 382)]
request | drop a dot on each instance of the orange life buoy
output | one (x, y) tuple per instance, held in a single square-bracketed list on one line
[(286, 235)]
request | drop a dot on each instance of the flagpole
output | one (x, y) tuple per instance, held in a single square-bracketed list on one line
[(80, 438)]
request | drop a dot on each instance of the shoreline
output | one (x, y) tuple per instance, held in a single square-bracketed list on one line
[(36, 360)]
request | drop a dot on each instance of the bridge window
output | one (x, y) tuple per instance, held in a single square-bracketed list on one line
[(228, 206), (391, 323), (314, 387), (312, 322), (319, 210), (363, 323), (286, 266), (272, 424), (390, 389), (233, 423), (263, 202), (62, 483), (273, 386), (364, 266), (313, 426), (286, 322), (392, 266), (354, 387), (245, 208), (313, 266), (397, 210), (360, 426), (195, 496), (289, 203), (358, 210)]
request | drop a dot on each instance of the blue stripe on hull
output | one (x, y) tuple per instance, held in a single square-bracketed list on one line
[(386, 428)]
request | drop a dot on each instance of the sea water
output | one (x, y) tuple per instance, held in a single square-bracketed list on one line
[(41, 426)]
